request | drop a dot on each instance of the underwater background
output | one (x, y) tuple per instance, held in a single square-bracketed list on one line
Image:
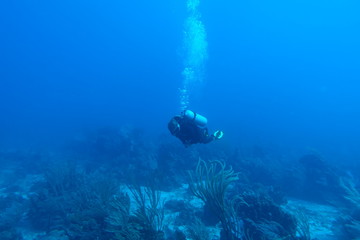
[(87, 89)]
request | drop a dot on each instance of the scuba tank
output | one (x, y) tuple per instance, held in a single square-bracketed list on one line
[(199, 120)]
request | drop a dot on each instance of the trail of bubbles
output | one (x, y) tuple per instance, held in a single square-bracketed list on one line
[(195, 48)]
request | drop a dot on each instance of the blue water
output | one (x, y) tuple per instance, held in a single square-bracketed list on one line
[(87, 89), (282, 73)]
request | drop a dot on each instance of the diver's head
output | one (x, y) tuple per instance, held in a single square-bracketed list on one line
[(174, 127)]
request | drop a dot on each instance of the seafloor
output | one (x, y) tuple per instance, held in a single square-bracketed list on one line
[(121, 184)]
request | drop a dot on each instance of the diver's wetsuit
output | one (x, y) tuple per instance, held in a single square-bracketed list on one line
[(190, 133)]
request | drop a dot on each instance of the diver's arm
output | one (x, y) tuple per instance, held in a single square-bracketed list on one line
[(215, 136), (206, 137)]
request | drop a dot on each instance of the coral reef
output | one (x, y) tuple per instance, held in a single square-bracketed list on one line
[(98, 187), (209, 183)]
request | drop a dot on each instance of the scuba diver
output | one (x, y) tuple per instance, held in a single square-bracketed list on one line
[(190, 128)]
